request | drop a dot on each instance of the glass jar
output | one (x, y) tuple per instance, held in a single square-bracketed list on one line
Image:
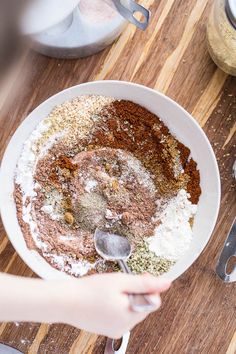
[(221, 35)]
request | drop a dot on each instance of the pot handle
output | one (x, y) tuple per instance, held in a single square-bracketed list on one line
[(229, 250), (109, 349), (128, 8)]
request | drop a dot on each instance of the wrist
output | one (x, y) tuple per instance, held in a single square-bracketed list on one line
[(66, 300)]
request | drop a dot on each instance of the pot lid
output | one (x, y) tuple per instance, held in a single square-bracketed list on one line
[(40, 15)]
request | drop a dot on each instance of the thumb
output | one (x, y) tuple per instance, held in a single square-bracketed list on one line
[(144, 284)]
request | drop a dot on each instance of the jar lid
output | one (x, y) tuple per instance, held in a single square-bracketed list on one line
[(230, 8)]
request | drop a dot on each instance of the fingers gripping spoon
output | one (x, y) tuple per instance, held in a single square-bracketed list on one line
[(113, 247)]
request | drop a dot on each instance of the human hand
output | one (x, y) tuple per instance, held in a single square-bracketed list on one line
[(99, 303)]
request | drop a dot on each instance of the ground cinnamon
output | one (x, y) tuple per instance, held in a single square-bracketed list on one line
[(126, 125)]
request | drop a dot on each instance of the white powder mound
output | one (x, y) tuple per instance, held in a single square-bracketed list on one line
[(173, 236), (73, 267), (27, 162), (90, 185), (29, 158)]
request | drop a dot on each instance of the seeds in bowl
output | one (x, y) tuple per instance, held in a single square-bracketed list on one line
[(100, 162)]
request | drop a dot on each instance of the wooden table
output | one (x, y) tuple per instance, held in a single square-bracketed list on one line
[(199, 312)]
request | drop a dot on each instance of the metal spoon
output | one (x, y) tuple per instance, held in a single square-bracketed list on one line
[(112, 247)]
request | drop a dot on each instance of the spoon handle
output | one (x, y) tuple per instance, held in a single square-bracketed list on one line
[(138, 302)]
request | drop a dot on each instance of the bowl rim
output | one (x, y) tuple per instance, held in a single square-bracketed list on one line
[(25, 259)]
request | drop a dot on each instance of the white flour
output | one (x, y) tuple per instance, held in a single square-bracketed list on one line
[(74, 267), (27, 161), (173, 236), (29, 158), (90, 185)]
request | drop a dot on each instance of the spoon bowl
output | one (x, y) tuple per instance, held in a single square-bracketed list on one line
[(111, 247)]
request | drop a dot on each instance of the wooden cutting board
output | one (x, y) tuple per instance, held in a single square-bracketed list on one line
[(198, 315)]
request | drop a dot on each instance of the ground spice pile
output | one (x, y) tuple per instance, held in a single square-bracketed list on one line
[(126, 125)]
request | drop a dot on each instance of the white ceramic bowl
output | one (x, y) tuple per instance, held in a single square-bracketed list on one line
[(180, 123)]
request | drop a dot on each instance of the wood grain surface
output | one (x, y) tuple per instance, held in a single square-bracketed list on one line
[(198, 315)]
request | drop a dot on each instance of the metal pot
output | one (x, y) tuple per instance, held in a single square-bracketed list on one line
[(78, 28)]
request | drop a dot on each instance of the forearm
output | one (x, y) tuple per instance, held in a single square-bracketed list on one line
[(90, 303), (32, 300)]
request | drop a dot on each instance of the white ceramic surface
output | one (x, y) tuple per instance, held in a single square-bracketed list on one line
[(180, 123), (40, 15)]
